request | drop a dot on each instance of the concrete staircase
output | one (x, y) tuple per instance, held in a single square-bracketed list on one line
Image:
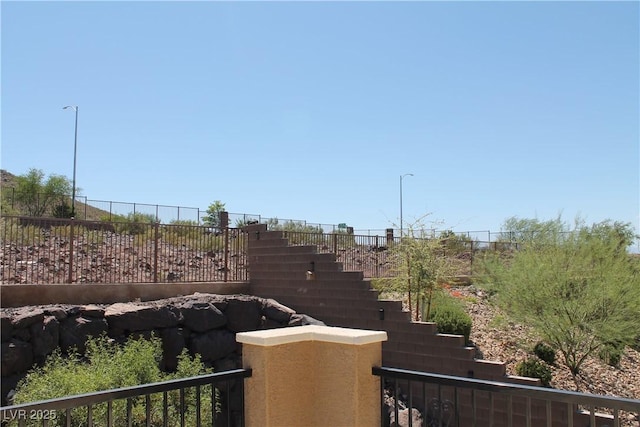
[(315, 284)]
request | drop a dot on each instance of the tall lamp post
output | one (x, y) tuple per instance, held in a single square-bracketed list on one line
[(402, 176), (75, 149)]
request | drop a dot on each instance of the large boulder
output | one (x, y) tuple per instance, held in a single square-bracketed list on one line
[(58, 312), (44, 337), (134, 317), (26, 317), (74, 332), (173, 342), (214, 345), (17, 357), (92, 310), (303, 320), (273, 310), (403, 418), (201, 316), (404, 413), (244, 313), (6, 331)]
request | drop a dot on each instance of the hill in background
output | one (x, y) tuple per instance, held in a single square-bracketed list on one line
[(84, 211)]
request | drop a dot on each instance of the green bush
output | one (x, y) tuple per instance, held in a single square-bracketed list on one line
[(450, 316), (545, 352), (133, 223), (535, 368), (108, 366), (63, 210), (611, 353)]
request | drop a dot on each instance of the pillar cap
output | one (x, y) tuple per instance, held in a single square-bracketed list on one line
[(271, 337)]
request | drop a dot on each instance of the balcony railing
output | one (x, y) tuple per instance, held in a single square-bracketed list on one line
[(444, 400), (195, 401)]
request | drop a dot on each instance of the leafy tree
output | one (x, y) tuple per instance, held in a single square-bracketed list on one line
[(455, 244), (526, 230), (423, 268), (37, 196), (576, 288), (617, 231), (212, 218)]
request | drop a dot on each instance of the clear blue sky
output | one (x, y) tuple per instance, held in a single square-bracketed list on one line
[(313, 110)]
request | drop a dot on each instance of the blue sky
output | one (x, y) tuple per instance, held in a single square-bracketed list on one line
[(313, 110)]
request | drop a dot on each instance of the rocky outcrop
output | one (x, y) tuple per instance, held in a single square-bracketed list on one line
[(205, 324)]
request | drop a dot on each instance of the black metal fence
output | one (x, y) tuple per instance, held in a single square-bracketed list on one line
[(375, 255), (52, 250), (46, 205), (447, 401), (38, 250), (213, 400)]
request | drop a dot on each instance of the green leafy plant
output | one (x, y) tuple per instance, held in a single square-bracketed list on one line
[(611, 353), (535, 368), (212, 218), (454, 244), (423, 267), (63, 210), (134, 223), (526, 230), (34, 195), (108, 365), (545, 352), (450, 315), (289, 225), (576, 287)]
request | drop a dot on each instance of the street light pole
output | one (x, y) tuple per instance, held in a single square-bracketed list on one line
[(75, 149), (402, 176)]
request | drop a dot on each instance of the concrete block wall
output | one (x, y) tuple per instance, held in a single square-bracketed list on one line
[(346, 299)]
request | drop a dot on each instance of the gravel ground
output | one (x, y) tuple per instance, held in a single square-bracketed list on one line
[(500, 340)]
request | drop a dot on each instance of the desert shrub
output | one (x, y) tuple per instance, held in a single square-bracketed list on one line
[(576, 287), (108, 365), (535, 368), (454, 244), (387, 287), (191, 367), (545, 352), (291, 225), (63, 210), (450, 316), (182, 229), (611, 353), (113, 218), (134, 223)]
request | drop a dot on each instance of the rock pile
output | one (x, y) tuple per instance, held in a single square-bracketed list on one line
[(203, 323)]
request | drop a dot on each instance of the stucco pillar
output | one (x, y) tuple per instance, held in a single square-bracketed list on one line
[(312, 376)]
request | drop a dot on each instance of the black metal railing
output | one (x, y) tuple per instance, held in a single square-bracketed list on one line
[(173, 403), (447, 401), (54, 250)]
